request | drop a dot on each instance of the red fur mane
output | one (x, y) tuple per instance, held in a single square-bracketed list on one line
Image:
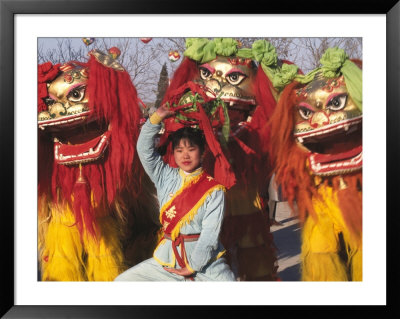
[(290, 162), (113, 101)]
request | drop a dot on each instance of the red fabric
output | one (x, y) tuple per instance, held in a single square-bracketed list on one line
[(327, 158), (264, 96), (180, 241), (46, 73), (83, 210), (222, 171), (185, 201), (81, 152), (80, 148), (187, 71)]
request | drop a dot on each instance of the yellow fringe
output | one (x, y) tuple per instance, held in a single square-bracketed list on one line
[(320, 243), (163, 263), (104, 255), (323, 267), (178, 192), (65, 255), (356, 266), (44, 218), (190, 215), (63, 248)]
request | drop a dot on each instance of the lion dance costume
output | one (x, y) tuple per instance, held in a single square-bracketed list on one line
[(94, 201), (316, 139), (220, 87)]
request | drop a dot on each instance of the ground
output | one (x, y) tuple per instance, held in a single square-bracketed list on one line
[(287, 240)]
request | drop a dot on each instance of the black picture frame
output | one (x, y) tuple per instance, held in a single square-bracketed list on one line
[(8, 10)]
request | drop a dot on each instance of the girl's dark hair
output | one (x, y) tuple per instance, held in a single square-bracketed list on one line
[(193, 135)]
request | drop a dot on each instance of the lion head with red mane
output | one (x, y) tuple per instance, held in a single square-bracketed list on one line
[(89, 121)]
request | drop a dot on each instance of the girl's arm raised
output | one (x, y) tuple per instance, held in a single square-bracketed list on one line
[(149, 157)]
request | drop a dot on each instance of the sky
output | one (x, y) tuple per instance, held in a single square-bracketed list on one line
[(146, 81), (147, 93)]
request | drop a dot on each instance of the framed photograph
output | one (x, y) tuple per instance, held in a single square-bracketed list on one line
[(30, 30)]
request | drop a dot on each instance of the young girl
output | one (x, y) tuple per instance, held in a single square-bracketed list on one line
[(191, 214)]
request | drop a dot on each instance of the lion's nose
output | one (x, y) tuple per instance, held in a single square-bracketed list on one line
[(214, 85), (57, 110), (319, 119)]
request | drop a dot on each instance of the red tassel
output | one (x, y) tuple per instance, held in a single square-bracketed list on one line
[(82, 207)]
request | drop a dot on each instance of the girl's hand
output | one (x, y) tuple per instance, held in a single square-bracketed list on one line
[(182, 272), (164, 112)]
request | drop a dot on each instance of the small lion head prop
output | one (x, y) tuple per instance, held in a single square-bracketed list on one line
[(88, 119), (234, 87), (241, 77)]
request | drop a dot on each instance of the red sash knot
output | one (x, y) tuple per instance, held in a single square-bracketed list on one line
[(180, 240)]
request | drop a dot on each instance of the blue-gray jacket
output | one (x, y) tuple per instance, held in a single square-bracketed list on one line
[(207, 221)]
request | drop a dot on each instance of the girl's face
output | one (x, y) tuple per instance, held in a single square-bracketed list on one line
[(187, 157)]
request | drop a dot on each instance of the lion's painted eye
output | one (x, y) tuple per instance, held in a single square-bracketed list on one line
[(305, 112), (205, 73), (337, 102), (77, 94), (235, 77)]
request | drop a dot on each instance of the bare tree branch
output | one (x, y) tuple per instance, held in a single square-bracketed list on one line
[(144, 61)]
